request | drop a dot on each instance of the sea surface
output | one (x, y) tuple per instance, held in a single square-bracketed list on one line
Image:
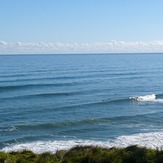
[(53, 102)]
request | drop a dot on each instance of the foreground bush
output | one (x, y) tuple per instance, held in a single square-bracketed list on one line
[(88, 154)]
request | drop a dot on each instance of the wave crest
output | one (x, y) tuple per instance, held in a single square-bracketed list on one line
[(152, 140), (146, 98)]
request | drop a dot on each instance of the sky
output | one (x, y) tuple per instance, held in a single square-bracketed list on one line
[(80, 26)]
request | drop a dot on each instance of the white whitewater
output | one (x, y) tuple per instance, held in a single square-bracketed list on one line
[(147, 98), (152, 140)]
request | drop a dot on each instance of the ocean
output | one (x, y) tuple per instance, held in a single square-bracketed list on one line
[(55, 102)]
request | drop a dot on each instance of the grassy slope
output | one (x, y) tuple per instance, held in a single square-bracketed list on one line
[(88, 154)]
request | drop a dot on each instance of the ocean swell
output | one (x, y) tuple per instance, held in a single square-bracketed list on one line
[(153, 140), (147, 98)]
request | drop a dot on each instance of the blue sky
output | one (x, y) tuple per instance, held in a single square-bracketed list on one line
[(60, 26)]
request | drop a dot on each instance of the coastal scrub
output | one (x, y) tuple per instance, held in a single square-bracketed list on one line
[(87, 154)]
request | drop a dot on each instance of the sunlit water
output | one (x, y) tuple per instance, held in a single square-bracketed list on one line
[(51, 102)]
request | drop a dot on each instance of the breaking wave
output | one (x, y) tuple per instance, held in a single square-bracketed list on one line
[(148, 98), (153, 140)]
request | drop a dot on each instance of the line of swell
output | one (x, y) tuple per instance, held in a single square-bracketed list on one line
[(50, 94), (87, 76), (79, 122), (102, 102), (49, 78), (76, 106), (14, 75), (13, 87)]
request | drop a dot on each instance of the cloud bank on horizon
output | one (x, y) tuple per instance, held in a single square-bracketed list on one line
[(47, 26), (96, 47)]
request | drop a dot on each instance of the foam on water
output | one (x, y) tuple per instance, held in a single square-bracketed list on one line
[(147, 98), (50, 146), (152, 140)]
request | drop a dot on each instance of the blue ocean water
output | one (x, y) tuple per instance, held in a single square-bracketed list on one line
[(51, 102)]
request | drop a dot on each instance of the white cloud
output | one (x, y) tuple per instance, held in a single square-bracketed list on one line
[(3, 43), (96, 47)]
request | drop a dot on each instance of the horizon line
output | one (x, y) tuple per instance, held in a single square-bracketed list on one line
[(95, 53)]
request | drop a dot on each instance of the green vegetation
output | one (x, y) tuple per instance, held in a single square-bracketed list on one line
[(88, 154)]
